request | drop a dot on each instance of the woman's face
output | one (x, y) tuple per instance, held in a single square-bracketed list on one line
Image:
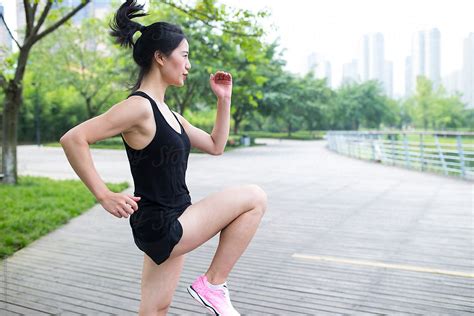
[(177, 65)]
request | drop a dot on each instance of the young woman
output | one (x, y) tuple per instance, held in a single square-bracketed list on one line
[(165, 224)]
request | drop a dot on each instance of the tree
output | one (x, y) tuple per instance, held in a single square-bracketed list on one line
[(220, 38), (359, 104), (315, 97), (430, 108), (84, 59), (37, 13), (422, 100), (11, 84)]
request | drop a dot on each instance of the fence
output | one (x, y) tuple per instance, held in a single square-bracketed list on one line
[(1, 145), (449, 153)]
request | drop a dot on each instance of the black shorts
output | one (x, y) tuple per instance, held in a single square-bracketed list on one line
[(157, 230)]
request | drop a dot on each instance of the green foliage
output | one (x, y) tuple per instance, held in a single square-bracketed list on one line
[(91, 73), (84, 60), (359, 104), (212, 49), (57, 110), (83, 83), (435, 109), (203, 119), (7, 66), (38, 205)]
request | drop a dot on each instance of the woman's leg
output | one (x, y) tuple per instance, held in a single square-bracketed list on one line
[(236, 213), (159, 284)]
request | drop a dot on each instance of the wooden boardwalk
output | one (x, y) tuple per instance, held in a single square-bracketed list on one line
[(340, 237)]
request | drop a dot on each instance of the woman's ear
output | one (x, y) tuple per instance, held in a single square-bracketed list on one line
[(160, 59)]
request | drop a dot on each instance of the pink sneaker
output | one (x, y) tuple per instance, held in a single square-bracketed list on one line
[(215, 300)]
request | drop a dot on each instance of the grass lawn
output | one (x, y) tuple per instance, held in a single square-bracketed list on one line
[(39, 205), (300, 135), (430, 139)]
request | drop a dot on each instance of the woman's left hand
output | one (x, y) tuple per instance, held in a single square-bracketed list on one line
[(221, 84)]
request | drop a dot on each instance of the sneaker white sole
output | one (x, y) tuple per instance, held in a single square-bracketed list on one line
[(201, 300)]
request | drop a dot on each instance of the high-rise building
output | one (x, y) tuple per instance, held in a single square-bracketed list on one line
[(425, 59), (433, 56), (5, 38), (388, 78), (96, 8), (20, 21), (320, 66), (373, 65), (468, 71), (408, 74), (365, 61), (452, 82), (350, 72)]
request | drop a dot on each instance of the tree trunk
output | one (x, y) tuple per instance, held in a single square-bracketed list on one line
[(10, 122), (236, 126)]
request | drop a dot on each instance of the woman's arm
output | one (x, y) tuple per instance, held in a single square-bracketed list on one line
[(121, 117), (214, 144)]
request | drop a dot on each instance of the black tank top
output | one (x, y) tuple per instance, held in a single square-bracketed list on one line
[(159, 169)]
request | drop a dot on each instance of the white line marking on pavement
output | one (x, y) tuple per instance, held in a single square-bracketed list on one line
[(384, 265)]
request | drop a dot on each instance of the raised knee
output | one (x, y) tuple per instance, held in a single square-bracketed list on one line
[(259, 197)]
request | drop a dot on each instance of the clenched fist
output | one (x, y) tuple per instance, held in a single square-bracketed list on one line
[(221, 84)]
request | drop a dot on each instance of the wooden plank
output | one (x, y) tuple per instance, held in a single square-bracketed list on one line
[(5, 312), (320, 204), (23, 310)]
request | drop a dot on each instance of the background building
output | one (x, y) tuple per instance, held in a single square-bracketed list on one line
[(350, 72), (5, 38), (373, 64), (320, 66), (425, 59), (468, 71)]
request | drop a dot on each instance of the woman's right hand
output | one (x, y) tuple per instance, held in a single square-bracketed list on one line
[(119, 204)]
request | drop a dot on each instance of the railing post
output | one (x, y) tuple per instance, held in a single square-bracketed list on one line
[(349, 144), (441, 155), (328, 136), (359, 138), (372, 142), (391, 136), (422, 156), (461, 156), (405, 148), (432, 156), (382, 148)]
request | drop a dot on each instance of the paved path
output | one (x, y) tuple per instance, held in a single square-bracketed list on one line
[(341, 236)]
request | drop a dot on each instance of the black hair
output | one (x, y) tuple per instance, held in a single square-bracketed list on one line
[(159, 36)]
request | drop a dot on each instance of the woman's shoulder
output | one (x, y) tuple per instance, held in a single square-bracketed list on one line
[(133, 109)]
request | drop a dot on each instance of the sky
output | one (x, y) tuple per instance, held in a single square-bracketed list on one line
[(333, 28)]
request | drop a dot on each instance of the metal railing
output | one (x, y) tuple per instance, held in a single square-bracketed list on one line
[(1, 146), (450, 153)]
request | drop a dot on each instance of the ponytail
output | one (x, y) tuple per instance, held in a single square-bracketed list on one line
[(122, 25), (159, 36)]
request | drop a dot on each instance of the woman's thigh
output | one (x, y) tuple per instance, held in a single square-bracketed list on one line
[(205, 218)]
